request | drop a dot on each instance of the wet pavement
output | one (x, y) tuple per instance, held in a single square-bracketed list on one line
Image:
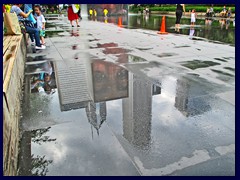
[(214, 29), (104, 100)]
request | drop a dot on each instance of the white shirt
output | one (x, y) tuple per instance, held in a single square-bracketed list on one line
[(192, 15), (40, 21)]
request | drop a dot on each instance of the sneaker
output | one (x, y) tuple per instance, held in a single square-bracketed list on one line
[(72, 25), (42, 47), (78, 25)]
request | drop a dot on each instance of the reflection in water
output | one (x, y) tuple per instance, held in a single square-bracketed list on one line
[(29, 164), (208, 28), (186, 101), (137, 111), (109, 81), (191, 32), (106, 20), (94, 118), (41, 73), (74, 33)]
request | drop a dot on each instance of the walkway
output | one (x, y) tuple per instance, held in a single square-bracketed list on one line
[(144, 104)]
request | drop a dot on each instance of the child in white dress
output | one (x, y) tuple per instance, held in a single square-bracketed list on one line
[(193, 17)]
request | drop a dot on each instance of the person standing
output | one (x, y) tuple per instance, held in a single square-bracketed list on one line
[(8, 8), (193, 17), (72, 16), (105, 12), (179, 11), (229, 12), (95, 12), (208, 19), (40, 23), (4, 9), (212, 11), (224, 11), (90, 12), (79, 11)]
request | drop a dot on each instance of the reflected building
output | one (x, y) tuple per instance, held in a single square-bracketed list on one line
[(109, 81), (74, 83), (89, 85), (96, 114), (137, 111), (189, 99)]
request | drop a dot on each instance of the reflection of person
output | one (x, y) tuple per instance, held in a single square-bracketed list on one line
[(42, 83), (191, 32), (193, 17), (222, 23), (40, 23), (179, 11), (227, 23), (72, 16)]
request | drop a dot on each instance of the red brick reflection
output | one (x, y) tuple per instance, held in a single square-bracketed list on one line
[(109, 81)]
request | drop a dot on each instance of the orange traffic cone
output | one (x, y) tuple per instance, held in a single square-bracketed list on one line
[(120, 22), (163, 26)]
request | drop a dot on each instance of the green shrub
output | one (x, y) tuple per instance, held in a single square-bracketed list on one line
[(199, 8)]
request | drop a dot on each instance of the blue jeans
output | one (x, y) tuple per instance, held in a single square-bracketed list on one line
[(34, 32), (32, 35)]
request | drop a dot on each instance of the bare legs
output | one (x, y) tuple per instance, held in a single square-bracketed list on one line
[(42, 39), (77, 22), (177, 27)]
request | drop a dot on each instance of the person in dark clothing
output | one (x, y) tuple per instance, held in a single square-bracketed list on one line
[(79, 12), (179, 11)]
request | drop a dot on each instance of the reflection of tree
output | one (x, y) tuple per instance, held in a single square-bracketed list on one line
[(37, 136), (30, 165), (39, 165)]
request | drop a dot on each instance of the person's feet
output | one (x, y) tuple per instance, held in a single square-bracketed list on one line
[(72, 25), (78, 25), (41, 47)]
